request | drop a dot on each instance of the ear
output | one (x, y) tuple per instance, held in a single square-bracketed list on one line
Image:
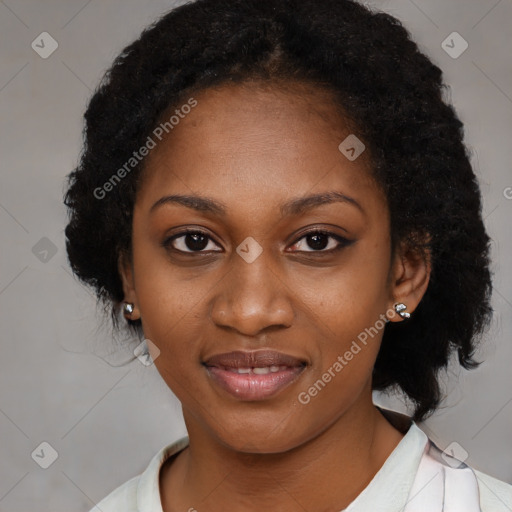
[(125, 268), (410, 275)]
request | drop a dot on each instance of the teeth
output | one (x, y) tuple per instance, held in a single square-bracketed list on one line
[(264, 370), (261, 371)]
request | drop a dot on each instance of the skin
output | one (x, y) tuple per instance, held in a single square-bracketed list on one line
[(254, 148)]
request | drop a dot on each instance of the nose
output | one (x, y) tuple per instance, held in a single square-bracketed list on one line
[(252, 298)]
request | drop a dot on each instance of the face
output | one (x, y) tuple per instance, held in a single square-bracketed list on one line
[(258, 244)]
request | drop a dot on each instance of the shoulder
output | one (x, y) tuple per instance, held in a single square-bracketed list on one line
[(142, 491), (495, 495), (123, 498), (465, 484), (443, 481), (492, 494)]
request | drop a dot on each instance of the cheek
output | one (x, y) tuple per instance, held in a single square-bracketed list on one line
[(167, 305), (345, 357), (346, 308), (172, 325), (346, 299), (165, 297)]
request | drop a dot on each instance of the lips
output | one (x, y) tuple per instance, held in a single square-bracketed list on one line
[(257, 359), (254, 375)]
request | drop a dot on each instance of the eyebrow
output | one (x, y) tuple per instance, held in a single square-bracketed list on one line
[(301, 204), (292, 207)]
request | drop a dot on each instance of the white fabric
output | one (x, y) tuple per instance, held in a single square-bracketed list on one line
[(448, 487), (414, 478)]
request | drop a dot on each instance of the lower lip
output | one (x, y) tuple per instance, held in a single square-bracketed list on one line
[(250, 386)]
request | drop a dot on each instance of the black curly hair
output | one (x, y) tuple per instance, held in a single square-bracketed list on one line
[(386, 87)]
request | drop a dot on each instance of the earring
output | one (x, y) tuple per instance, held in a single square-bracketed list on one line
[(128, 308), (400, 308)]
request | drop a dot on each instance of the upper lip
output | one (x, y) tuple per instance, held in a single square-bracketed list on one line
[(255, 359)]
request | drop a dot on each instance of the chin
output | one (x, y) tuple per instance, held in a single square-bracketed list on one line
[(262, 437)]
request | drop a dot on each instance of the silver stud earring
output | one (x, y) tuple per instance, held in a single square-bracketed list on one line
[(128, 308), (400, 308)]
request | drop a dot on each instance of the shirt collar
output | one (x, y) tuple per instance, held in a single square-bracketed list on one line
[(148, 489), (389, 489)]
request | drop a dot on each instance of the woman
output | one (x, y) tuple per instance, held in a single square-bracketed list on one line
[(277, 197)]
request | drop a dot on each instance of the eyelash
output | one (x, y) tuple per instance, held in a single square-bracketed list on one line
[(342, 242)]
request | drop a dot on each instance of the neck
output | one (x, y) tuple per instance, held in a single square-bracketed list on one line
[(325, 473)]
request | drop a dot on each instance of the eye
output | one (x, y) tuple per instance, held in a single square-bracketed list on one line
[(195, 241), (190, 241), (320, 241)]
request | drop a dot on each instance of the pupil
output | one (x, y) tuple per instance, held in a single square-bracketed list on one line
[(317, 241), (196, 241)]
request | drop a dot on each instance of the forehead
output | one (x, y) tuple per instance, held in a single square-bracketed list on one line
[(246, 139)]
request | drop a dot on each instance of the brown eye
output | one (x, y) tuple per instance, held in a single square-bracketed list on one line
[(190, 241), (320, 241)]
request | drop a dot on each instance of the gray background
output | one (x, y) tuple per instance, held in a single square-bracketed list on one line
[(59, 382)]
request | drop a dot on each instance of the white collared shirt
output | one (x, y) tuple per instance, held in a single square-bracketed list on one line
[(416, 477)]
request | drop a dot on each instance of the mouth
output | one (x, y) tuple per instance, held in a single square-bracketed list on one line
[(253, 376)]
